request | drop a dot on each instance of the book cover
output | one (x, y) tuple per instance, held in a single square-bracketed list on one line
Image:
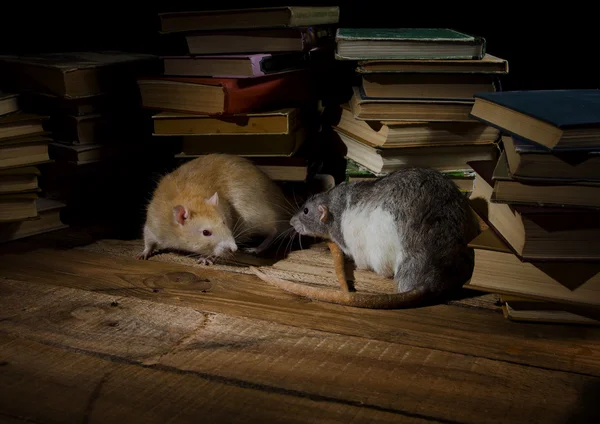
[(415, 43), (244, 95), (260, 64), (560, 108)]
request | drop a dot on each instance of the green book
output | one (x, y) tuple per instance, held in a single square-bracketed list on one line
[(407, 43)]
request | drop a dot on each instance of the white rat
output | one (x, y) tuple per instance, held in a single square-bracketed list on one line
[(210, 204), (413, 225)]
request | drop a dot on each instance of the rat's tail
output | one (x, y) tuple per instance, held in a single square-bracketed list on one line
[(357, 300)]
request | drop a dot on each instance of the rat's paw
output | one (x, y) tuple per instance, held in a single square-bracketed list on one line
[(252, 250), (205, 261), (142, 256)]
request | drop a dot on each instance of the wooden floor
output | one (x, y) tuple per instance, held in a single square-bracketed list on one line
[(88, 337)]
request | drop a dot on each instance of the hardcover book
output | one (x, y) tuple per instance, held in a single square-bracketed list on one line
[(407, 43)]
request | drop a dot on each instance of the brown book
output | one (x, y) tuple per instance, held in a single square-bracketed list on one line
[(415, 134), (89, 153), (441, 158), (21, 124), (426, 86), (9, 103), (498, 270), (17, 207), (537, 233), (281, 121), (76, 74), (24, 151), (48, 219), (245, 144), (264, 17), (216, 96), (522, 309), (528, 161), (540, 193), (487, 65), (409, 110), (19, 180), (264, 40)]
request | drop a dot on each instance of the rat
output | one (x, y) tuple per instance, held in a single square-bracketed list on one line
[(208, 205), (412, 225)]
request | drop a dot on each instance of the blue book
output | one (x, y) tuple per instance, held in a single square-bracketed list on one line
[(554, 119)]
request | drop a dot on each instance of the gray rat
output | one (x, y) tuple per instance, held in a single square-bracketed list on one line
[(412, 225), (210, 204)]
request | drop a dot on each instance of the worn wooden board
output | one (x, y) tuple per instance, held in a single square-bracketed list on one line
[(46, 384), (231, 368), (476, 332)]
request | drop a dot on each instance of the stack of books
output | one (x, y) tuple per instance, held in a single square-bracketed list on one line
[(91, 103), (410, 103), (23, 146), (540, 201), (247, 84)]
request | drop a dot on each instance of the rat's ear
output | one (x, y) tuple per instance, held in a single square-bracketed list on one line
[(181, 214), (214, 200), (324, 213)]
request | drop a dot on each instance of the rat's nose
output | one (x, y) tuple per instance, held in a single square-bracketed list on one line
[(232, 247)]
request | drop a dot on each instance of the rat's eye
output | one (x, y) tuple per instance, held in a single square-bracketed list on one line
[(206, 233), (305, 211)]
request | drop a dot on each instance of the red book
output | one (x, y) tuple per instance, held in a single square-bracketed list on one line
[(226, 96)]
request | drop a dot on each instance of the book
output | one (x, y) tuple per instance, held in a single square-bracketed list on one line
[(541, 193), (427, 86), (531, 161), (281, 145), (17, 207), (25, 151), (378, 160), (234, 66), (387, 133), (76, 75), (556, 119), (9, 103), (280, 121), (369, 108), (21, 124), (269, 40), (356, 172), (407, 43), (536, 233), (48, 219), (498, 270), (489, 64), (19, 180), (262, 17), (277, 168), (216, 96), (89, 153), (521, 309)]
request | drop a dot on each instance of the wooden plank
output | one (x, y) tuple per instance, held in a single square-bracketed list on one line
[(291, 361), (42, 383), (452, 329)]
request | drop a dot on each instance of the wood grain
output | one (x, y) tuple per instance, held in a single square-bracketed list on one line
[(41, 383), (158, 348), (445, 328)]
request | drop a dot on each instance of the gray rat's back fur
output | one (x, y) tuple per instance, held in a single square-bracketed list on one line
[(412, 225)]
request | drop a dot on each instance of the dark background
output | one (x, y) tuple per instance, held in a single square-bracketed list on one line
[(546, 46)]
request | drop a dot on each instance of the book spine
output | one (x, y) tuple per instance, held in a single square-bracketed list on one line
[(304, 16)]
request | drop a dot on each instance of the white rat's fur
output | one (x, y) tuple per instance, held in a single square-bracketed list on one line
[(224, 196)]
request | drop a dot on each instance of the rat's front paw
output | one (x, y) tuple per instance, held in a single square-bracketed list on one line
[(142, 256), (205, 261)]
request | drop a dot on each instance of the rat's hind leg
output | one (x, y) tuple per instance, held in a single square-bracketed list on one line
[(150, 244)]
